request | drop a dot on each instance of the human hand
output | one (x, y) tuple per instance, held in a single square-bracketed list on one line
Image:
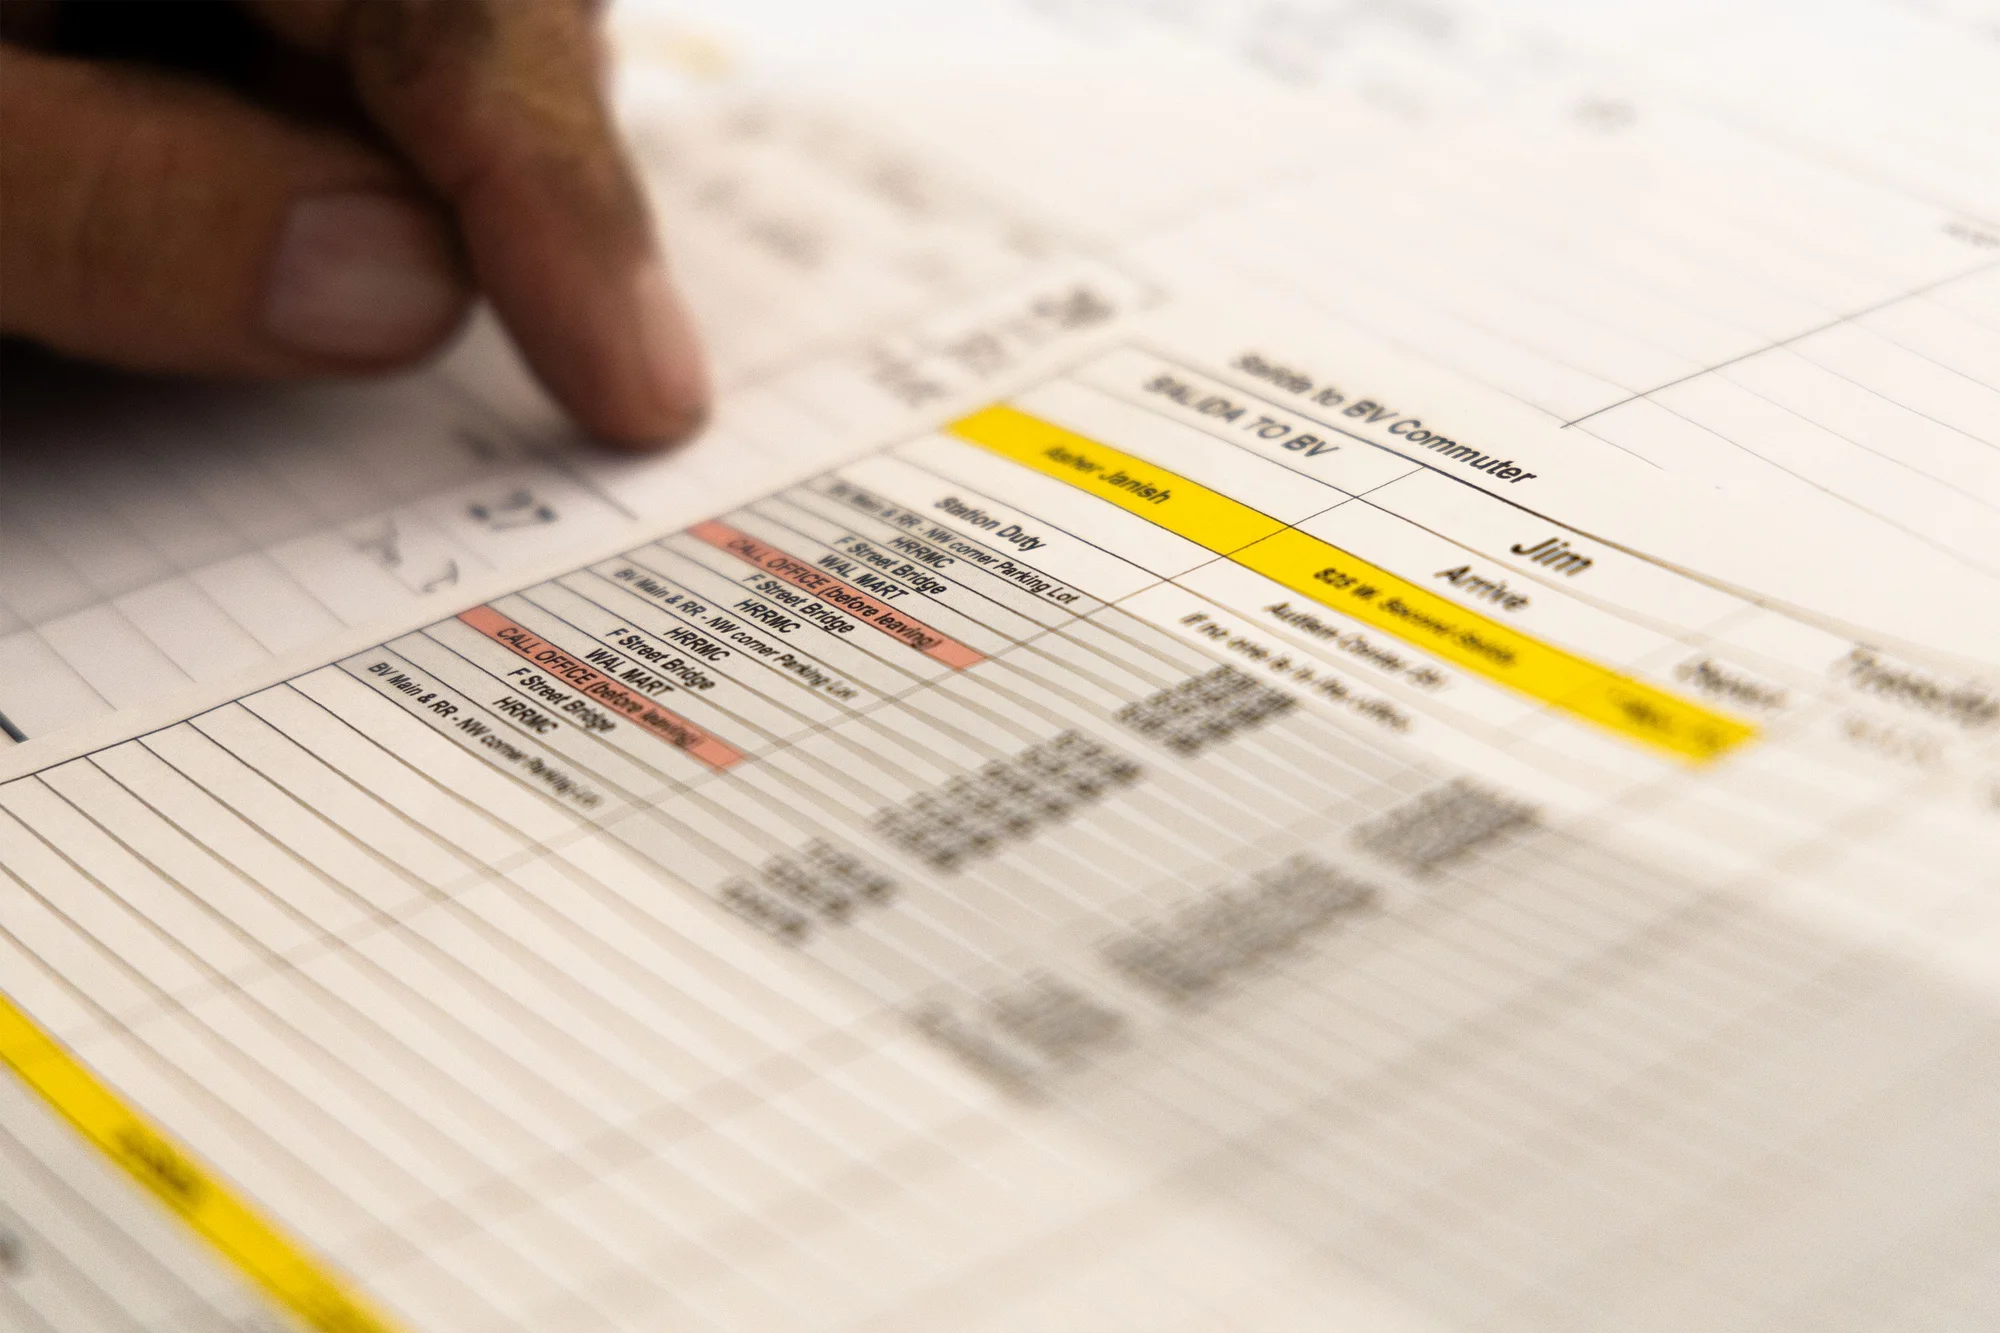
[(335, 218)]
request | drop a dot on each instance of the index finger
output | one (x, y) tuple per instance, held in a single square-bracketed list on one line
[(499, 106)]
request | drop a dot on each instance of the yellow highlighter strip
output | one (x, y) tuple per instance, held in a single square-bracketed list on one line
[(1343, 581), (285, 1272), (1186, 508)]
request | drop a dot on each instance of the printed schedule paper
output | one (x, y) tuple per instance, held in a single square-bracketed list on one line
[(1240, 761)]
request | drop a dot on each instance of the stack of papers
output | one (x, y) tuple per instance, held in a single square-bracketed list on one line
[(1331, 666)]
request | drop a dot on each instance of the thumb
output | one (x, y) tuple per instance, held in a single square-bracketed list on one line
[(164, 225)]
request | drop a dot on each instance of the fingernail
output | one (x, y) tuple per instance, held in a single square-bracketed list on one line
[(670, 374), (363, 276)]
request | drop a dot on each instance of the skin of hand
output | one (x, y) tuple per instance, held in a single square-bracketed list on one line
[(336, 213)]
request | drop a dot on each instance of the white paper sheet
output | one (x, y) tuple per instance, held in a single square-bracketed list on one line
[(1334, 668)]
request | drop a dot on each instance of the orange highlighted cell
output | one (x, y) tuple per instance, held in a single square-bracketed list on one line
[(629, 704), (841, 596)]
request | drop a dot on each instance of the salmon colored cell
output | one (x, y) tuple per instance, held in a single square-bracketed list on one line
[(840, 596), (627, 703)]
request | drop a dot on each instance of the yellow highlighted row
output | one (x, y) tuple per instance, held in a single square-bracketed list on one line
[(1343, 581), (286, 1273), (1189, 508)]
